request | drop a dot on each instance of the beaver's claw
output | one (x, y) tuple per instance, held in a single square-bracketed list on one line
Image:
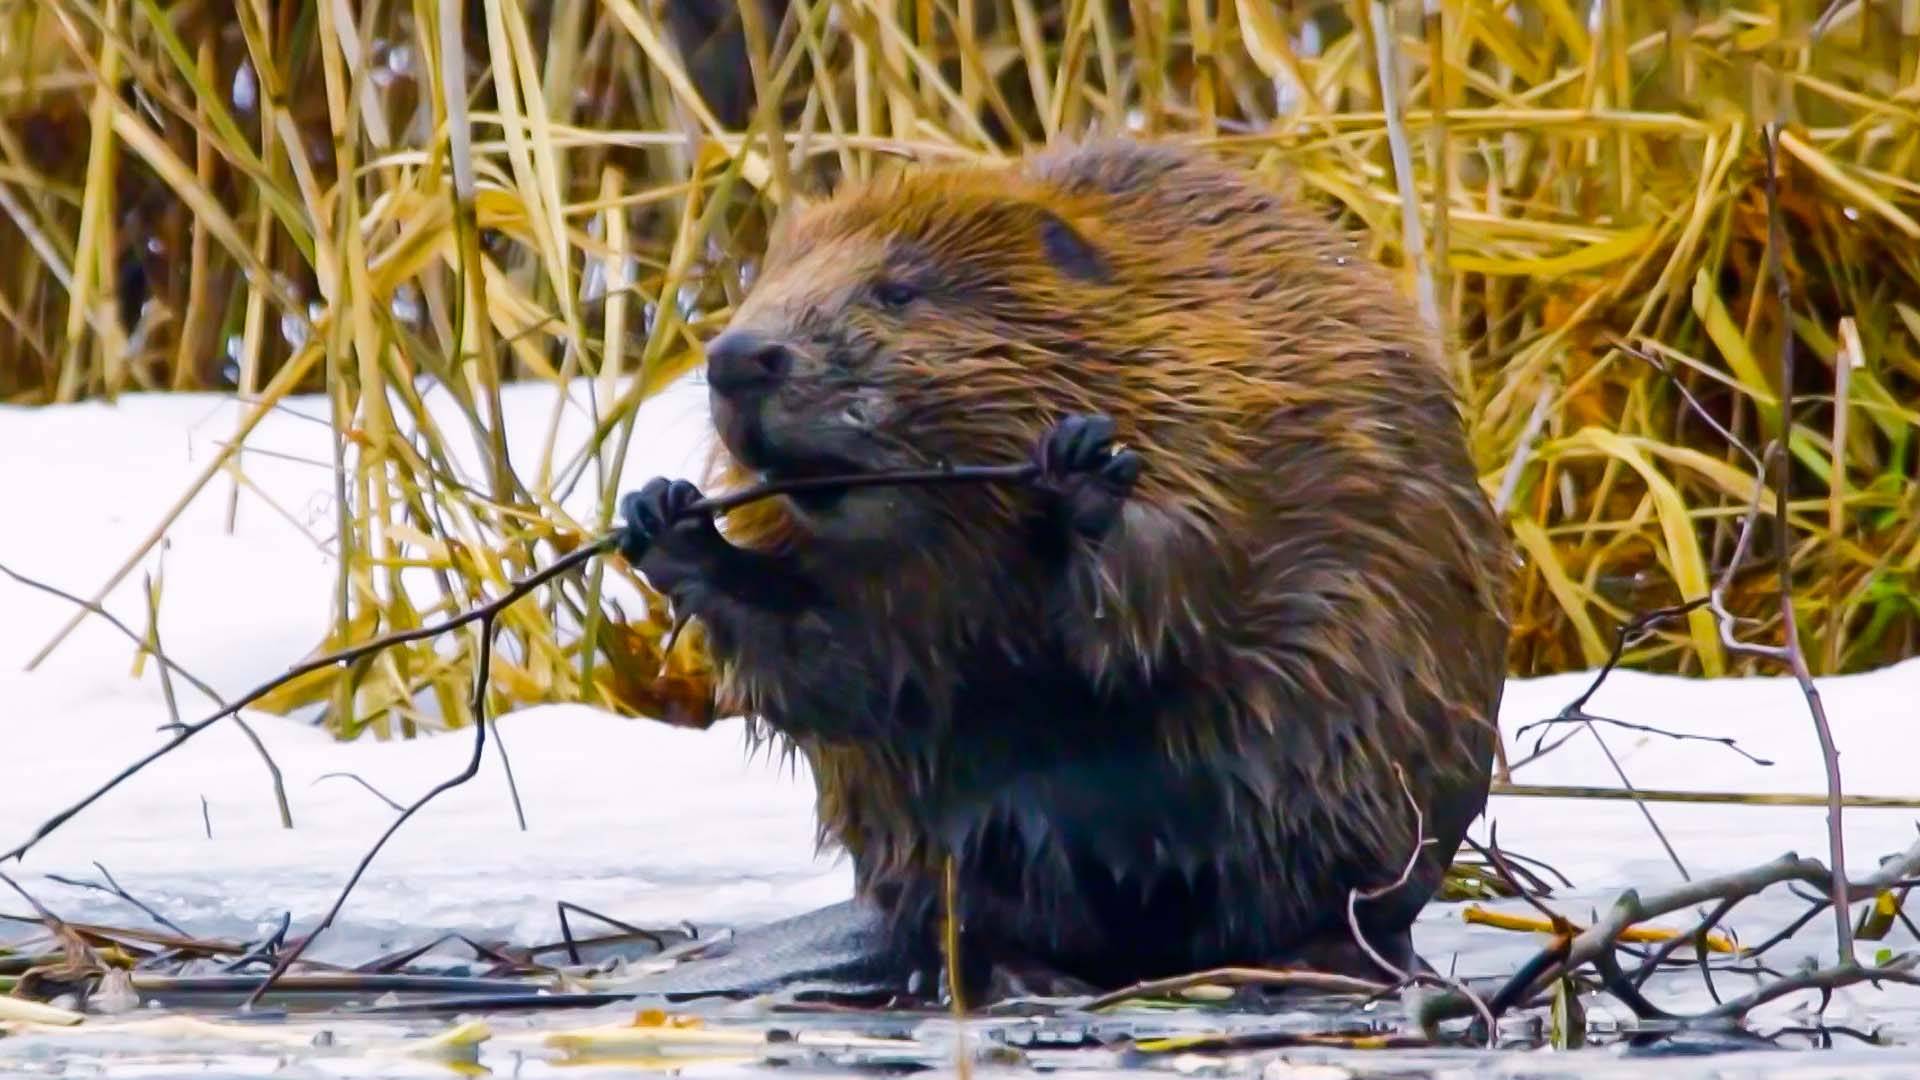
[(664, 537), (1077, 459)]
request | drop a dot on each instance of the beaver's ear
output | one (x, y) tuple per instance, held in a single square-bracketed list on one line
[(1070, 252)]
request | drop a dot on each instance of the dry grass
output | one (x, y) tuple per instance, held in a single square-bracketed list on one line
[(271, 198)]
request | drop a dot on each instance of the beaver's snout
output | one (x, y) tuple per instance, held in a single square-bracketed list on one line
[(744, 369), (751, 377), (742, 362)]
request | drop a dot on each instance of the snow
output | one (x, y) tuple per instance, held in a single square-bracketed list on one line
[(643, 821), (634, 818)]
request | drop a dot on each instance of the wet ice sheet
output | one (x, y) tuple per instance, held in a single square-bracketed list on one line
[(648, 823)]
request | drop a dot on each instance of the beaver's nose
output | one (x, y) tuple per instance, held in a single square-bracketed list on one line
[(741, 361)]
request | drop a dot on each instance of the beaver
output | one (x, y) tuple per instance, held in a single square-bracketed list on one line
[(1236, 658)]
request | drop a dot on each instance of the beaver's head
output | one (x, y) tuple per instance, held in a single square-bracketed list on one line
[(938, 316)]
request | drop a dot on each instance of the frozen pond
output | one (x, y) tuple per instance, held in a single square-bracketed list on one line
[(656, 826)]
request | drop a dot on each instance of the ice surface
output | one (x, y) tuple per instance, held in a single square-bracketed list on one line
[(643, 821)]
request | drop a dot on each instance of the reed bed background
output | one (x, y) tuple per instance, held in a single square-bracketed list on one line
[(367, 199)]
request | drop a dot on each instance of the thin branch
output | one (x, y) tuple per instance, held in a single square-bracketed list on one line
[(1901, 970), (1640, 803), (356, 778), (268, 947), (1694, 404), (482, 673), (1404, 978), (154, 650), (344, 656), (1529, 861), (1354, 896), (1575, 711), (1776, 460), (1625, 636), (1648, 729), (506, 764), (561, 908), (1491, 852), (1786, 933), (1007, 474), (1822, 1034), (71, 941), (1697, 936), (112, 888), (1541, 751), (1783, 539), (1717, 598), (54, 922)]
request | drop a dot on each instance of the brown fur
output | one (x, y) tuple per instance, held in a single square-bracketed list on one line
[(1303, 603)]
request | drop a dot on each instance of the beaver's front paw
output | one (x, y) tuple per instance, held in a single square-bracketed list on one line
[(665, 538), (1078, 461)]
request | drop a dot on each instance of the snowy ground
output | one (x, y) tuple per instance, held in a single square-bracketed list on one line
[(646, 822)]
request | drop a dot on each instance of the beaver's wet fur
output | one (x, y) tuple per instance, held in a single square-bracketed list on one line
[(1179, 734)]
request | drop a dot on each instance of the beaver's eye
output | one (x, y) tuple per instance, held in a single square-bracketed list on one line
[(894, 294)]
